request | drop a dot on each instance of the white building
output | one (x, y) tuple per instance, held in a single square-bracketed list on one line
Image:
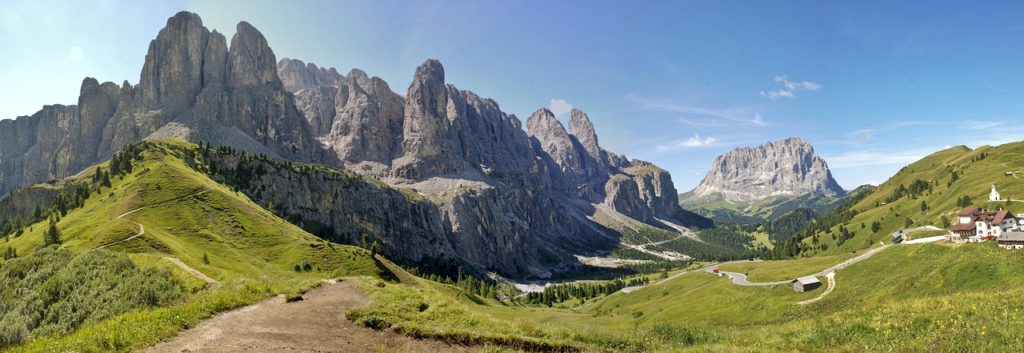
[(994, 195), (976, 224)]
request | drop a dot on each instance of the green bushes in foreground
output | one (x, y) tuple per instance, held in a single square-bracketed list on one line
[(138, 329), (54, 292)]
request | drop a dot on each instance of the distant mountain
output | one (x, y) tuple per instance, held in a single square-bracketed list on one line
[(522, 202), (752, 184)]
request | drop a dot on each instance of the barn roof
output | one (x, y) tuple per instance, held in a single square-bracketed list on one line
[(807, 280), (967, 211), (1011, 236), (963, 226), (1001, 215)]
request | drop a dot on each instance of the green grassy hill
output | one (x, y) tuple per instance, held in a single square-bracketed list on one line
[(767, 209), (927, 192), (931, 297), (185, 216)]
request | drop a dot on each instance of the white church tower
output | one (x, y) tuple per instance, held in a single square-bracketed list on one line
[(994, 195)]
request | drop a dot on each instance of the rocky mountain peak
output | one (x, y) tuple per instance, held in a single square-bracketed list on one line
[(426, 123), (297, 75), (251, 61), (788, 167), (555, 140), (581, 127), (173, 69)]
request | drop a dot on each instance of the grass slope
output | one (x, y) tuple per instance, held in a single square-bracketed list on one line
[(931, 297), (207, 226), (976, 171)]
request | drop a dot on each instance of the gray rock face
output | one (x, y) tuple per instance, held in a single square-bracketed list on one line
[(173, 71), (783, 168), (556, 141), (494, 195), (503, 194), (315, 90), (190, 87), (368, 122)]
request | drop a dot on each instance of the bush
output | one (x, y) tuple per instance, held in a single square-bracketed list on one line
[(54, 292)]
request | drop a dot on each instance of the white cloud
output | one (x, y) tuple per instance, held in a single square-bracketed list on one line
[(777, 94), (976, 125), (789, 88), (758, 120), (706, 117), (559, 107), (862, 134), (797, 86), (865, 158), (75, 54), (695, 141)]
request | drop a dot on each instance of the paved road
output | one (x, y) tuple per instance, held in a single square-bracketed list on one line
[(740, 279), (925, 240), (672, 277)]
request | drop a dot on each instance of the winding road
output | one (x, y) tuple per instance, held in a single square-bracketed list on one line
[(740, 279)]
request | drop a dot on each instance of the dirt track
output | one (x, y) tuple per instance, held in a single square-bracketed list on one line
[(315, 324)]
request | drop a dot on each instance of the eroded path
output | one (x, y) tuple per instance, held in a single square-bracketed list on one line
[(315, 324), (191, 270)]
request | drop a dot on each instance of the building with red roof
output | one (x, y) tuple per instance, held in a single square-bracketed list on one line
[(978, 224)]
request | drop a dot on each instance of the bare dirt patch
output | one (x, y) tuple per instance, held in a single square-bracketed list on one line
[(315, 324)]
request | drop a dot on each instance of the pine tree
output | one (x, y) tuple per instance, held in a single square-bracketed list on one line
[(373, 250), (206, 259), (52, 235), (106, 179)]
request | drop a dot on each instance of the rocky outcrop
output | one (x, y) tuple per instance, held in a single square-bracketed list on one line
[(341, 206), (367, 129), (191, 87), (487, 193), (783, 168)]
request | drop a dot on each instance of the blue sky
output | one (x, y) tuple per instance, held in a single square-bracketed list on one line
[(873, 85)]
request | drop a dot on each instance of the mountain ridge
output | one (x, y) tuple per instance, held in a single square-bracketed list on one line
[(746, 183), (498, 186)]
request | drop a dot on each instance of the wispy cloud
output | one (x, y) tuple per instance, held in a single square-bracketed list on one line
[(692, 142), (865, 158), (559, 107), (789, 88), (863, 135), (705, 116), (777, 94), (977, 125)]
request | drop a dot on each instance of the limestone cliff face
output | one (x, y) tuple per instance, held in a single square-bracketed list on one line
[(190, 87), (342, 207), (511, 199), (490, 193), (783, 168)]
